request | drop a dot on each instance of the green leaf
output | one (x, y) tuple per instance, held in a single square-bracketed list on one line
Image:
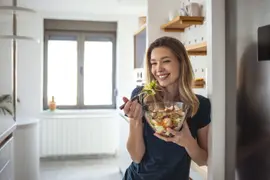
[(150, 89), (9, 111), (6, 110), (5, 98)]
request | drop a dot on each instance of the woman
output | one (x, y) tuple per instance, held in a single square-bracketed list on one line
[(156, 157)]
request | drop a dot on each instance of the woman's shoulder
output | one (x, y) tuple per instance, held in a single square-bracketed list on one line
[(202, 98), (203, 114), (204, 102), (136, 91)]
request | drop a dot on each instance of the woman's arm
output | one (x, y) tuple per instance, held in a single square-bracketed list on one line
[(198, 150), (135, 143)]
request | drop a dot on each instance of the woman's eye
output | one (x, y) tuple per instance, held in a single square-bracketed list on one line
[(166, 61), (153, 64)]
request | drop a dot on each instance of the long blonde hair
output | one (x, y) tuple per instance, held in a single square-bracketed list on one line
[(186, 76)]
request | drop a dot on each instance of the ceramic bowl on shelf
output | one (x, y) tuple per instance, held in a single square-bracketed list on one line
[(163, 115)]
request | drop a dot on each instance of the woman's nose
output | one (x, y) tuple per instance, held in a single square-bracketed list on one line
[(159, 66)]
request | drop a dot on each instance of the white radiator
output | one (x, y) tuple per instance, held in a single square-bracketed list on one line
[(79, 134)]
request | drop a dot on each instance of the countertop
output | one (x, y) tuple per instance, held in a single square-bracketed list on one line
[(7, 126), (202, 170)]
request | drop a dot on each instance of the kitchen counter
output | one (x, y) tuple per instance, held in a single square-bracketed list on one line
[(202, 170), (7, 126)]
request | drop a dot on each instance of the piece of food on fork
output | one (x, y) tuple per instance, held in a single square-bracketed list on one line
[(148, 90)]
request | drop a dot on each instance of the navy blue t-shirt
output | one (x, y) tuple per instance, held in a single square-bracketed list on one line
[(166, 160)]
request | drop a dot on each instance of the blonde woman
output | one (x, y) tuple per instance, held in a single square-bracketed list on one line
[(157, 157)]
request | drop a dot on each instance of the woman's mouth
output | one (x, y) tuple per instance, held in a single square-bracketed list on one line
[(163, 76)]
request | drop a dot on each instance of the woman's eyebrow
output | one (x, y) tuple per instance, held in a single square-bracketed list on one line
[(164, 57)]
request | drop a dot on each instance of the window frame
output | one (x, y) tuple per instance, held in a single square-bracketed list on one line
[(82, 36)]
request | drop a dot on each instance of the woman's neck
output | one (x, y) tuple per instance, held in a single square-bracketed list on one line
[(172, 92)]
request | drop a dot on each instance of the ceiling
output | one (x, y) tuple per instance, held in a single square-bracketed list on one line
[(87, 6)]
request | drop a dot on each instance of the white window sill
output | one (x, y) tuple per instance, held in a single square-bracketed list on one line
[(79, 113)]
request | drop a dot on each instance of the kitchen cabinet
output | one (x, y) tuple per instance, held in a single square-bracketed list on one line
[(7, 127), (6, 170)]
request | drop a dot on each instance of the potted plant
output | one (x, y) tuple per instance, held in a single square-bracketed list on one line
[(6, 104)]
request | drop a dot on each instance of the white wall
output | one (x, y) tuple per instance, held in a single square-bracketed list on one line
[(216, 87), (158, 14), (5, 67), (5, 55)]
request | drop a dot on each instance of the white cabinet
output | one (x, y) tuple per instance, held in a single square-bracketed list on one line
[(6, 159), (7, 172), (26, 150), (7, 127)]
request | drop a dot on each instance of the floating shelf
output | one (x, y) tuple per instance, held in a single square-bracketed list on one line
[(16, 9), (199, 49), (18, 38), (142, 28), (199, 83), (198, 87), (179, 23)]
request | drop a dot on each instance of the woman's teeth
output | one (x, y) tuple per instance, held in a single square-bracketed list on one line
[(163, 76)]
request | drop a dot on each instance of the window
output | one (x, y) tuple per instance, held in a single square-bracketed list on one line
[(79, 69)]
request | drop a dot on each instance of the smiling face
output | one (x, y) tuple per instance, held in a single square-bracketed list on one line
[(164, 66), (167, 62)]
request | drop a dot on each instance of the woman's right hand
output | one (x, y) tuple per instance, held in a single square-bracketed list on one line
[(133, 110)]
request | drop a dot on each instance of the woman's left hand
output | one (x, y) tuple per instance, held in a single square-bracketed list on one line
[(182, 138)]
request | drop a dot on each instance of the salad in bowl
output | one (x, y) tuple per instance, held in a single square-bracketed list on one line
[(160, 114), (163, 115)]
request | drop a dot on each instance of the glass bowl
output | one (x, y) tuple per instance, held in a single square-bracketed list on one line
[(163, 115)]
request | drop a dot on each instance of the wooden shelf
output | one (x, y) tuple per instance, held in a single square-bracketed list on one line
[(198, 87), (198, 83), (179, 23), (142, 28), (199, 49)]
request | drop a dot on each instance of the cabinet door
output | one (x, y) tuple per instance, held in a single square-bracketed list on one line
[(7, 173), (6, 152)]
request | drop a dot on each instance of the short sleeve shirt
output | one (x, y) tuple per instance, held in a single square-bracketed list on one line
[(166, 160)]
